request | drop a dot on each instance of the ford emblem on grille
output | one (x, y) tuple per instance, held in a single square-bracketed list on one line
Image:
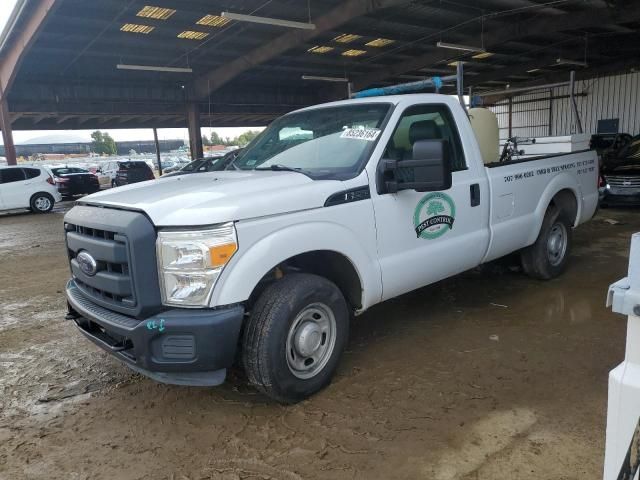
[(87, 263)]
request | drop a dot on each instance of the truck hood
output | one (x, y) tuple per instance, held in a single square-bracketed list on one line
[(218, 197)]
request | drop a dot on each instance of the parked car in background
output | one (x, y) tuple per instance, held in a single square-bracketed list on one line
[(133, 172), (73, 181), (209, 164), (620, 172), (169, 166), (620, 185), (110, 170), (27, 187)]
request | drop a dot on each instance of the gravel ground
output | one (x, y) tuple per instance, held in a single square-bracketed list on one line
[(489, 375)]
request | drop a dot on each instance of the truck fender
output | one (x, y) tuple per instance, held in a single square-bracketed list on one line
[(564, 181), (243, 273)]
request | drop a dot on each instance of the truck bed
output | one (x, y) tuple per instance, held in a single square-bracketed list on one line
[(521, 190)]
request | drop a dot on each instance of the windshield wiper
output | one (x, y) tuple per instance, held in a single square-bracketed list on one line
[(276, 167)]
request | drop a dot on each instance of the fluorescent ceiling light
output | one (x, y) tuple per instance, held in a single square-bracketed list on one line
[(213, 21), (268, 21), (347, 38), (454, 64), (353, 53), (152, 68), (432, 70), (157, 13), (564, 61), (380, 42), (464, 48), (191, 35), (482, 56), (135, 28), (533, 70), (320, 49), (325, 79)]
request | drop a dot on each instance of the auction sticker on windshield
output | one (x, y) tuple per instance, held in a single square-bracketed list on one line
[(368, 134)]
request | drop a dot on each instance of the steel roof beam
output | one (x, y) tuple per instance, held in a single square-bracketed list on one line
[(329, 21), (14, 52), (499, 33)]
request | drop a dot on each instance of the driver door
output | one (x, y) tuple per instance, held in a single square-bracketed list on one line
[(424, 237)]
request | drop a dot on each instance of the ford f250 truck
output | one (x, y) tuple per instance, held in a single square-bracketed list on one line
[(332, 209)]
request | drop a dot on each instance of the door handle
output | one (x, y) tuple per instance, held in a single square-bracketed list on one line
[(474, 191)]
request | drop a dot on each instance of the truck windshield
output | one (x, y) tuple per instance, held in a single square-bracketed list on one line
[(330, 142)]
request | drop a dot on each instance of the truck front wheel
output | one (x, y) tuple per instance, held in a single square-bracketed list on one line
[(547, 258), (295, 336)]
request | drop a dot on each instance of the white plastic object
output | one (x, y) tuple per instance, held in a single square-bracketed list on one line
[(485, 125), (622, 455)]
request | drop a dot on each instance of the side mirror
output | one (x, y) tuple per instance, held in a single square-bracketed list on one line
[(428, 171)]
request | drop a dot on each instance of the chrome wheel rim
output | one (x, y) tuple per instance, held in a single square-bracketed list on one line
[(311, 340), (43, 203), (557, 244)]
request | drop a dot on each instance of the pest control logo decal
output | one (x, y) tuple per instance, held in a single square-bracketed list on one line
[(434, 215)]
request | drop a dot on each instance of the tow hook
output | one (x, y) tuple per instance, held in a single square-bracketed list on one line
[(71, 313)]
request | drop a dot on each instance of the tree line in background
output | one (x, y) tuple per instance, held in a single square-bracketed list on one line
[(104, 144), (241, 141)]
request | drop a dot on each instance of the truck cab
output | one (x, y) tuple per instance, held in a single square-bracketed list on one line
[(331, 210)]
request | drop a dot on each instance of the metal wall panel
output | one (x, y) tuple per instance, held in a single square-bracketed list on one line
[(535, 115)]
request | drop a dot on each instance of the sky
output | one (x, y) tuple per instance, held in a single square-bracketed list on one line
[(6, 7)]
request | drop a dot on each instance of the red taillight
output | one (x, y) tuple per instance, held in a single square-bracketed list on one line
[(150, 175), (602, 182), (50, 180), (61, 180)]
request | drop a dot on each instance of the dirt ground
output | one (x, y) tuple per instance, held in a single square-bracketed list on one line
[(489, 375)]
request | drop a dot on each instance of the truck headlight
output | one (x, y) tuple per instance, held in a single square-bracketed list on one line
[(190, 262)]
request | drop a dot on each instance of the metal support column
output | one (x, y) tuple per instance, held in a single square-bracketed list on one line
[(195, 133), (155, 139), (7, 132), (574, 104), (510, 117), (550, 133), (460, 84)]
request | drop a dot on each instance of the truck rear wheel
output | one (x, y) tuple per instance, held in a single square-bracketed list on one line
[(547, 258), (295, 336)]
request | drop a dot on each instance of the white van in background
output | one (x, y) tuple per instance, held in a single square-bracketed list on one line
[(27, 187)]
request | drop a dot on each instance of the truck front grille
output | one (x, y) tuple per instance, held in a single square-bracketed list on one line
[(112, 283), (122, 244), (623, 181)]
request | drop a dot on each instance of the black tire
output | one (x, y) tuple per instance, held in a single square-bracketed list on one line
[(41, 202), (266, 336), (539, 260)]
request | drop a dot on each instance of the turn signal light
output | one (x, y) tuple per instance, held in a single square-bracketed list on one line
[(221, 254)]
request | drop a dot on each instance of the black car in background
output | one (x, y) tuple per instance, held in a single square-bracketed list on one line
[(133, 172), (209, 164), (620, 175), (73, 181)]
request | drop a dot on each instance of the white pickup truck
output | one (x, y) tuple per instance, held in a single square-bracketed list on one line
[(333, 209)]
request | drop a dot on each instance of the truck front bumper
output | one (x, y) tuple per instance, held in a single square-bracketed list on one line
[(178, 346), (620, 197)]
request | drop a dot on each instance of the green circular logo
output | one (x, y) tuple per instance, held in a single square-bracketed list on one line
[(434, 215)]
